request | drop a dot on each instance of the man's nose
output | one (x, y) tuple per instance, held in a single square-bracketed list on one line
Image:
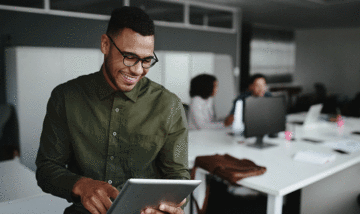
[(137, 69)]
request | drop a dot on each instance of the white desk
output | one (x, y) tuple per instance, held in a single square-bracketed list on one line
[(39, 204), (17, 181), (19, 192), (283, 175)]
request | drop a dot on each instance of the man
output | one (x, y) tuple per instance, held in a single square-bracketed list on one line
[(257, 88), (104, 128)]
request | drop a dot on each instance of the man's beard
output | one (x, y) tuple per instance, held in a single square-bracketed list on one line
[(111, 78)]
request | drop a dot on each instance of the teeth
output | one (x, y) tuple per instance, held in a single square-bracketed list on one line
[(128, 77)]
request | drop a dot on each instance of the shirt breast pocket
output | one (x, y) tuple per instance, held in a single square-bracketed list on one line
[(143, 150)]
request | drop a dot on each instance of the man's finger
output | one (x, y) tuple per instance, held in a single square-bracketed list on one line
[(171, 209), (99, 205), (107, 203), (105, 200), (151, 211), (91, 208), (112, 192), (182, 203)]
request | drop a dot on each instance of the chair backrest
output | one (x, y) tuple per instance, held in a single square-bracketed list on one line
[(226, 167), (9, 132), (285, 95), (5, 112), (186, 109)]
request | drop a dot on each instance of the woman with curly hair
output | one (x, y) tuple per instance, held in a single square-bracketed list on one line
[(201, 111)]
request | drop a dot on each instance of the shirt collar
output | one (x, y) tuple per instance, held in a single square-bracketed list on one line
[(106, 90), (134, 93), (103, 89)]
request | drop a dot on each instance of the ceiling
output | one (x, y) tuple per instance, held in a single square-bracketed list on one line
[(286, 14), (297, 14)]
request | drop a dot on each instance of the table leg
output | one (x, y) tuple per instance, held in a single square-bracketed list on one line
[(200, 192), (274, 204)]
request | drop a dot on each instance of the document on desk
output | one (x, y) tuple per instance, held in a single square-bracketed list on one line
[(314, 157), (346, 145)]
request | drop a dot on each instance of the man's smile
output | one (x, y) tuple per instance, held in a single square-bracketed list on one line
[(128, 78)]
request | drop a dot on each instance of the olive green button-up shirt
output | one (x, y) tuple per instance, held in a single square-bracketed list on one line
[(92, 131)]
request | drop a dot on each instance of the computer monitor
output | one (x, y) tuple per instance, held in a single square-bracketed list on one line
[(262, 116)]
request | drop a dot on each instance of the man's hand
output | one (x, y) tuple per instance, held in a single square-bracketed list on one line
[(95, 195), (166, 208)]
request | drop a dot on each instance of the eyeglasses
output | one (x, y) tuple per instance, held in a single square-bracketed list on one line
[(132, 59)]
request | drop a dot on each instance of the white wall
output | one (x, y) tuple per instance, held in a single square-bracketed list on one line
[(31, 74), (226, 94), (331, 56), (176, 69)]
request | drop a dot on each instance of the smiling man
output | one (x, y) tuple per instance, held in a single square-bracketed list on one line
[(106, 127)]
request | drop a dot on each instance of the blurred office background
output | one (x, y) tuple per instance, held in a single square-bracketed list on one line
[(295, 43), (308, 49)]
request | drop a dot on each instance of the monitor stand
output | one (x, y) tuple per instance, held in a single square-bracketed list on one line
[(260, 144)]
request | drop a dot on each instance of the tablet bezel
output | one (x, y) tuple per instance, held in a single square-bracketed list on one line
[(140, 193)]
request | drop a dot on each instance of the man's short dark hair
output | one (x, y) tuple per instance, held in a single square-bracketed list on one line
[(133, 18), (202, 85), (254, 77)]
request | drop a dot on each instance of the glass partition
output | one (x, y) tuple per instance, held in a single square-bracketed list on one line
[(169, 13), (160, 10), (21, 3), (211, 17), (86, 6)]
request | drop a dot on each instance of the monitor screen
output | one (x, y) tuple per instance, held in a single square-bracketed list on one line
[(264, 115)]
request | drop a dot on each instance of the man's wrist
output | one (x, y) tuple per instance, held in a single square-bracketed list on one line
[(76, 190)]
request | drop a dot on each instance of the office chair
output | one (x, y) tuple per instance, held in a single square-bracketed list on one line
[(9, 133), (186, 109)]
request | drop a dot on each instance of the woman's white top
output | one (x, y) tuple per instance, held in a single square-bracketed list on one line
[(201, 114)]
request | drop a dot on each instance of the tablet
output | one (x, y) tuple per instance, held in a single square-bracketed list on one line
[(138, 194)]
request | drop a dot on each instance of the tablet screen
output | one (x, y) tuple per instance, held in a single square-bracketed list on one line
[(138, 194)]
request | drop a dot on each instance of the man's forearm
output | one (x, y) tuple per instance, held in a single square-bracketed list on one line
[(55, 179)]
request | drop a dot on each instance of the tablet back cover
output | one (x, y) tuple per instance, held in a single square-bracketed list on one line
[(140, 193)]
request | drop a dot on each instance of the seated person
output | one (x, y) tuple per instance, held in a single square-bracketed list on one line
[(257, 88), (201, 111)]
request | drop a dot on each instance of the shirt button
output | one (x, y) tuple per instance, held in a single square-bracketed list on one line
[(110, 181), (117, 109), (111, 157), (114, 133)]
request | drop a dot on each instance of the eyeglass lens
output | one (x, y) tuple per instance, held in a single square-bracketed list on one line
[(133, 60)]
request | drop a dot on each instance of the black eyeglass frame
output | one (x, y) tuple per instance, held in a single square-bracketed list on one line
[(138, 59)]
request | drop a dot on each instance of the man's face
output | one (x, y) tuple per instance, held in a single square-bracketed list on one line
[(122, 77), (258, 87), (215, 90)]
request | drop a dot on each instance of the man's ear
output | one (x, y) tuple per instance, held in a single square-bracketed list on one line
[(105, 44)]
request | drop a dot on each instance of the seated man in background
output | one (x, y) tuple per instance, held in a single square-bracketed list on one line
[(201, 111), (257, 88)]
